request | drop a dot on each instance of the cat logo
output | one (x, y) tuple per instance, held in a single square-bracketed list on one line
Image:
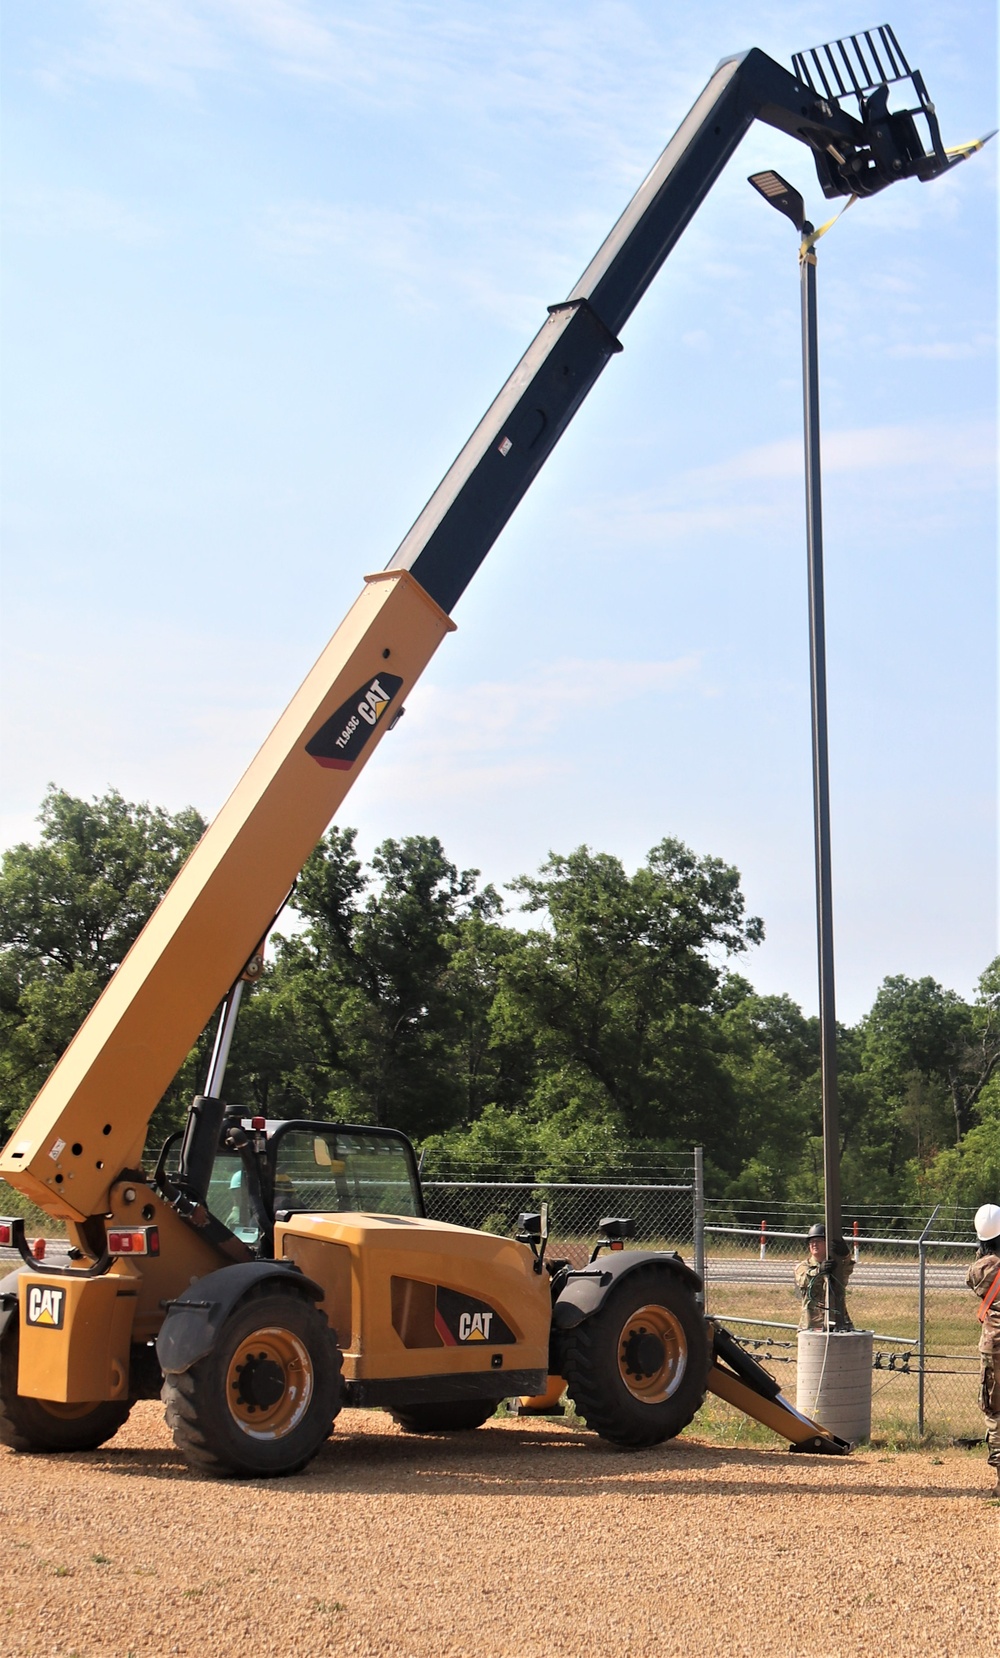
[(374, 703), (46, 1306), (462, 1318), (474, 1326), (339, 741)]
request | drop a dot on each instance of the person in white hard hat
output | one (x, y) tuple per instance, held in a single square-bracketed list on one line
[(984, 1279)]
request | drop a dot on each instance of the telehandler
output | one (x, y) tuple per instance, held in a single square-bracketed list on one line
[(266, 1273)]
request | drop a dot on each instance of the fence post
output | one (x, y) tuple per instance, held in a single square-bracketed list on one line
[(922, 1317), (857, 1252), (763, 1240), (699, 1222)]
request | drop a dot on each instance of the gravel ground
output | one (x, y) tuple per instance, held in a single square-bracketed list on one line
[(525, 1538)]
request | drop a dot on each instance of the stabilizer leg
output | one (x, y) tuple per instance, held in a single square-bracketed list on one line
[(741, 1381)]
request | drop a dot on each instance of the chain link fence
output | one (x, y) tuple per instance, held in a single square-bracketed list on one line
[(908, 1282), (663, 1214)]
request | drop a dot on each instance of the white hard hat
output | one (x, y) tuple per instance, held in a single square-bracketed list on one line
[(987, 1222)]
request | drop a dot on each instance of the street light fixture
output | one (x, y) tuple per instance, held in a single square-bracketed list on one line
[(781, 195)]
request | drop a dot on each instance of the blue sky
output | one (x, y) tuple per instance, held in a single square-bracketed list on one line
[(267, 261)]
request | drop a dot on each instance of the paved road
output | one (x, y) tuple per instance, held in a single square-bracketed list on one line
[(875, 1275)]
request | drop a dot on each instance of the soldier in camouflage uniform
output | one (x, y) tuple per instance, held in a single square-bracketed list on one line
[(812, 1276), (982, 1278)]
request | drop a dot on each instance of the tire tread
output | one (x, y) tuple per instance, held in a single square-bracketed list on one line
[(589, 1351), (192, 1403)]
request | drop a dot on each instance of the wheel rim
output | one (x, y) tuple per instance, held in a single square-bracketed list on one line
[(652, 1354), (67, 1413), (269, 1383)]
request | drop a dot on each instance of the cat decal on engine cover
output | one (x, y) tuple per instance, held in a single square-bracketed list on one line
[(460, 1319)]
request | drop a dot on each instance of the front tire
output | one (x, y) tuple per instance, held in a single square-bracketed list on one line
[(636, 1369), (45, 1425), (263, 1401), (458, 1417)]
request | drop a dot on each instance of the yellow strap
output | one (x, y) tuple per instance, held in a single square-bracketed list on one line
[(809, 242), (969, 148)]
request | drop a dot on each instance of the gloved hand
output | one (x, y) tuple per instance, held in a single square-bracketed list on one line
[(828, 1266), (842, 1249)]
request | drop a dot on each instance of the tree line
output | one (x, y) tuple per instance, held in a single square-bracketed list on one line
[(587, 1022)]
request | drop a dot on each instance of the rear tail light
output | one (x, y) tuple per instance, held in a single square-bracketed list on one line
[(7, 1233), (134, 1240)]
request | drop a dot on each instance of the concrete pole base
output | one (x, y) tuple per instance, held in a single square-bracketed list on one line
[(835, 1381)]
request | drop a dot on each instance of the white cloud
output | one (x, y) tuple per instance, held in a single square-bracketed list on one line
[(597, 70), (866, 449), (948, 351), (428, 256), (494, 736), (491, 713), (57, 212), (493, 741), (737, 494), (161, 43)]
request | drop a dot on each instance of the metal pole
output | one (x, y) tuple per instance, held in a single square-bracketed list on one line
[(699, 1222), (223, 1041), (922, 1317), (820, 754)]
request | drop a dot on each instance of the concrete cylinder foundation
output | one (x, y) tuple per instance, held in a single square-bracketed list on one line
[(835, 1380)]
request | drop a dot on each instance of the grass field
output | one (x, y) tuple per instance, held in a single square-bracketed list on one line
[(951, 1382)]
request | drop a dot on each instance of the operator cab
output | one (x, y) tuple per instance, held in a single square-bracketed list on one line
[(268, 1169)]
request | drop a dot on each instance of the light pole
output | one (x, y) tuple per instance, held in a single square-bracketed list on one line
[(781, 195)]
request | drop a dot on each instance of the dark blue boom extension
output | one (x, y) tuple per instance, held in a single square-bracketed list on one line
[(854, 155)]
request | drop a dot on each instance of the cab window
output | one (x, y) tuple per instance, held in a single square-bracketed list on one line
[(228, 1199), (322, 1171)]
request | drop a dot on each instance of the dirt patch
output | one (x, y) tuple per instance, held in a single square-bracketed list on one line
[(524, 1538)]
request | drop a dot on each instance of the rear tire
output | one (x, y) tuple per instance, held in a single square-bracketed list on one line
[(636, 1369), (43, 1424), (263, 1401), (458, 1417)]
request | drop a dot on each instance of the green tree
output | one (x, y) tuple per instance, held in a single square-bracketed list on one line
[(928, 1055), (614, 994), (70, 908), (377, 1011), (968, 1173), (770, 1052)]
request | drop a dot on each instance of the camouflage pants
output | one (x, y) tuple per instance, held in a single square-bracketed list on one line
[(989, 1401)]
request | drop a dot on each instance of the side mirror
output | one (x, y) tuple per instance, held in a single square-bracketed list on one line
[(533, 1230), (614, 1229), (616, 1226), (321, 1152)]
